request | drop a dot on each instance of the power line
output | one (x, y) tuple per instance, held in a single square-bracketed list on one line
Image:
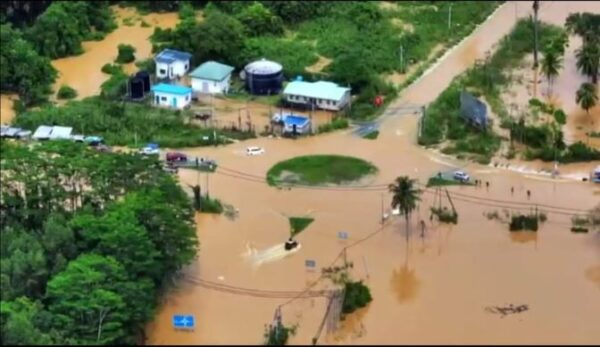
[(383, 187)]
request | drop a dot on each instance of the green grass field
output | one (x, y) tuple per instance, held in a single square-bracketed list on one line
[(318, 170)]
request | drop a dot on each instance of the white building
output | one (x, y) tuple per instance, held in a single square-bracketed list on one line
[(46, 132), (321, 94), (171, 95), (211, 78), (172, 64)]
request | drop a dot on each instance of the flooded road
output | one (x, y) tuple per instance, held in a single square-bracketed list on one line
[(83, 73), (6, 107), (433, 289)]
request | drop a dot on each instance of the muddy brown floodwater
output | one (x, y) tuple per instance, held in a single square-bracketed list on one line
[(83, 73), (433, 289)]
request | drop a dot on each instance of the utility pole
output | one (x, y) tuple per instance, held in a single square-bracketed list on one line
[(382, 218), (402, 58), (207, 185), (536, 6), (450, 16)]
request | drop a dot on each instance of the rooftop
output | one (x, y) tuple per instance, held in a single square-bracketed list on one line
[(320, 90), (211, 70), (171, 89), (168, 56)]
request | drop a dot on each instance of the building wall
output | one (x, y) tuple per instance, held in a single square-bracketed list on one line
[(288, 128), (166, 100), (214, 87), (333, 105), (176, 68)]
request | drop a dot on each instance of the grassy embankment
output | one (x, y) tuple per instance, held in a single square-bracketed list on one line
[(318, 170), (442, 121)]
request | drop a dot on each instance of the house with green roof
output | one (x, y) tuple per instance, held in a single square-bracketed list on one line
[(321, 94), (211, 78)]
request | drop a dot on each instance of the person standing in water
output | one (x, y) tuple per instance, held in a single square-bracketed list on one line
[(512, 190), (528, 194)]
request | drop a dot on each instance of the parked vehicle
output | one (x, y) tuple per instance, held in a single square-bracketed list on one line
[(150, 149), (176, 156), (461, 176), (93, 140), (102, 148), (253, 150), (170, 169)]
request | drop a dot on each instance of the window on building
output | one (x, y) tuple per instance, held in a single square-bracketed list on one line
[(162, 71), (163, 98), (186, 66), (214, 84)]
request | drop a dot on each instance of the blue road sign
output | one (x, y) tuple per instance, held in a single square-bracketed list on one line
[(342, 235), (183, 321), (310, 263)]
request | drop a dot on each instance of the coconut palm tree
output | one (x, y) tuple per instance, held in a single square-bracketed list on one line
[(405, 197), (551, 63), (587, 96), (588, 59), (583, 24)]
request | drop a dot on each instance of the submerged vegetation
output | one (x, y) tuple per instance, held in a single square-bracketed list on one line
[(298, 224), (318, 170), (442, 120), (89, 242)]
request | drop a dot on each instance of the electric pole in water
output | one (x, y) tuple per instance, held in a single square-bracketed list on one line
[(382, 218), (536, 6)]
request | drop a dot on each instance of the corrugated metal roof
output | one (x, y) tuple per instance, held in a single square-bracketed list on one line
[(211, 70), (473, 109), (319, 90), (42, 132), (171, 89), (59, 132), (168, 56)]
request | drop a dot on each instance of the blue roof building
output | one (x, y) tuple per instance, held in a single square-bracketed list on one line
[(171, 95), (172, 64)]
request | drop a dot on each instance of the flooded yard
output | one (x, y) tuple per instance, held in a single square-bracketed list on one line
[(83, 73)]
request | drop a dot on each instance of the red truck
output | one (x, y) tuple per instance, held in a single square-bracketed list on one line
[(176, 156)]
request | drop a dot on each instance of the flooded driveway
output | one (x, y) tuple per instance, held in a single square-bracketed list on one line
[(432, 290)]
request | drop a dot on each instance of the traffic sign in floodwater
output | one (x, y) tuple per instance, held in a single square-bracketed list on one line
[(310, 263), (183, 321), (342, 235)]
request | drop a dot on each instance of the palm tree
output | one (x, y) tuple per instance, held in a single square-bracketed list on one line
[(588, 59), (551, 63), (587, 96), (406, 196), (582, 24)]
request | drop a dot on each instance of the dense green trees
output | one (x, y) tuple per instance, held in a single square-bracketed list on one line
[(59, 31), (22, 69), (88, 241), (126, 54), (259, 20), (587, 96)]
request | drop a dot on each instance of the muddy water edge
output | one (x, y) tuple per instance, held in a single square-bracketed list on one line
[(433, 289)]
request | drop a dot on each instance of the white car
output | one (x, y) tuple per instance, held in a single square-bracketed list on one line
[(461, 176), (149, 151), (255, 150)]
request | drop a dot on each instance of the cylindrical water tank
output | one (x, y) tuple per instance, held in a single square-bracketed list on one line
[(145, 77), (264, 77), (136, 88)]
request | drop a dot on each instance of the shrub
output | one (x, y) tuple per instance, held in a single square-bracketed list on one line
[(66, 92), (357, 295), (111, 69), (372, 135), (338, 123), (445, 215), (148, 65), (278, 335), (126, 54), (522, 222), (208, 205)]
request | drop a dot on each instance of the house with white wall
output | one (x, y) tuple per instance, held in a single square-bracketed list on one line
[(172, 64), (172, 96), (211, 78), (321, 94)]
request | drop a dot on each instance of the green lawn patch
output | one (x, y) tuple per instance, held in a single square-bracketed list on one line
[(336, 124), (298, 224), (318, 170), (372, 135), (436, 181), (128, 124)]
